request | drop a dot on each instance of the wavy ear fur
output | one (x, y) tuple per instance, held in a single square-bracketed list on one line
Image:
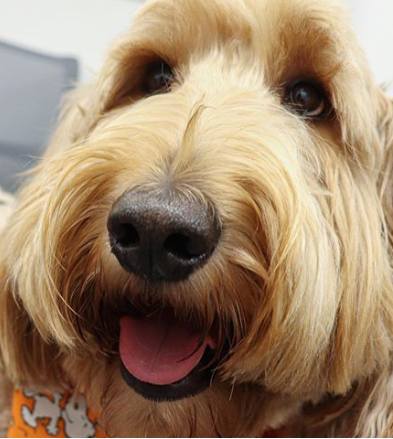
[(376, 415), (366, 411), (30, 358)]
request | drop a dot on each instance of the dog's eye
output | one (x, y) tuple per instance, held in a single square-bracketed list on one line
[(306, 99), (158, 78)]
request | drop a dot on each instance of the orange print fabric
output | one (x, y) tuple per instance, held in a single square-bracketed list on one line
[(52, 415)]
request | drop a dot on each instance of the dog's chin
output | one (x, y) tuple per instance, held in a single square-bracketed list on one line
[(164, 358)]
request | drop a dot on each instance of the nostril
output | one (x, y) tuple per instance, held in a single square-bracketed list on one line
[(127, 235), (183, 246)]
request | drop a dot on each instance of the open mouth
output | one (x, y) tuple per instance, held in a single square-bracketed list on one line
[(164, 358)]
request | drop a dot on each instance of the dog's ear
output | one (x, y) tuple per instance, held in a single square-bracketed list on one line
[(376, 419), (27, 358)]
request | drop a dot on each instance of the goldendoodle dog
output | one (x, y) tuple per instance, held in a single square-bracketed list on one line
[(205, 249)]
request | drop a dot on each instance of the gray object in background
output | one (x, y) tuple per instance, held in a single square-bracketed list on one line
[(31, 87)]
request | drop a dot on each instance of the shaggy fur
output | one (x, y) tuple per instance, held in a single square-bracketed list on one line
[(303, 271)]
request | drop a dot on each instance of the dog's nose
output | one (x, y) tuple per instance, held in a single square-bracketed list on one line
[(162, 237)]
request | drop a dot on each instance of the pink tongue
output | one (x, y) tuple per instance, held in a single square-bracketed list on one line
[(159, 349)]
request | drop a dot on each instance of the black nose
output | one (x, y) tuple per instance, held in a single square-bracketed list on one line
[(162, 237)]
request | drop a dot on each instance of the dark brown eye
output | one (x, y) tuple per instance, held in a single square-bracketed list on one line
[(158, 78), (307, 99)]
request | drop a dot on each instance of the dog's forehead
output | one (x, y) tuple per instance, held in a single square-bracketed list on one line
[(273, 29), (238, 17)]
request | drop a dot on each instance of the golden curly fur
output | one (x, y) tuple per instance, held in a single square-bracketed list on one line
[(303, 270)]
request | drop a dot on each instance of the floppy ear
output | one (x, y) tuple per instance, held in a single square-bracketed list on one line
[(14, 336), (28, 354), (27, 358), (375, 419), (17, 342)]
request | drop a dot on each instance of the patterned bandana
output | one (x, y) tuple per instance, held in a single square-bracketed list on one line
[(52, 415)]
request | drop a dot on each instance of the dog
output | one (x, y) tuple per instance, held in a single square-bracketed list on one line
[(206, 247)]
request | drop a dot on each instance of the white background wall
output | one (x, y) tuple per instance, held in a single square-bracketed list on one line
[(373, 23), (84, 28)]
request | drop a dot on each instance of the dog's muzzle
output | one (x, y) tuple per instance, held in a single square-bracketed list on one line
[(162, 237)]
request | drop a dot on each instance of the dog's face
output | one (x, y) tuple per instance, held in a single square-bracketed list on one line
[(209, 225)]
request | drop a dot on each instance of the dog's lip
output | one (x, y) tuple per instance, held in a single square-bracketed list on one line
[(197, 381)]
